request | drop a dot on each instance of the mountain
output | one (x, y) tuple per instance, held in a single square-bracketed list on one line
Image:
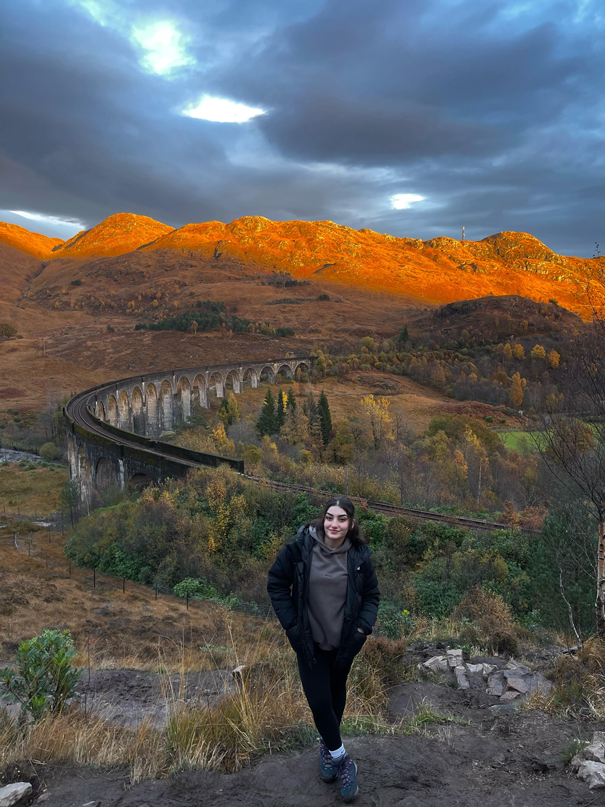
[(116, 235), (129, 255), (36, 244)]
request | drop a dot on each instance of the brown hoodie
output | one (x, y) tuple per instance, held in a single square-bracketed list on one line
[(327, 592)]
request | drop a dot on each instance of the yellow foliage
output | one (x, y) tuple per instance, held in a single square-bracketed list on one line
[(553, 359), (538, 352), (518, 352)]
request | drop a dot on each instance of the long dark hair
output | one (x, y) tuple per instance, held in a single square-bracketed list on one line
[(354, 534)]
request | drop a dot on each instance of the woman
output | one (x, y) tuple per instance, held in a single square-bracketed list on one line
[(324, 591)]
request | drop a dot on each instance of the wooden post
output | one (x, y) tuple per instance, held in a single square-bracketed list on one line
[(187, 601), (123, 585)]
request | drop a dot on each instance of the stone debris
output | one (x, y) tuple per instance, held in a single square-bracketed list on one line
[(508, 682), (12, 794), (589, 763)]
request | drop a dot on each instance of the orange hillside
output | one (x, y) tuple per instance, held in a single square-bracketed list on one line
[(36, 244), (118, 234)]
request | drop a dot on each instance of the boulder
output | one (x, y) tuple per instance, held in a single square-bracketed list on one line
[(518, 684), (488, 669), (11, 794), (461, 677), (475, 668), (509, 695), (454, 658), (496, 684), (436, 663), (593, 773), (519, 669)]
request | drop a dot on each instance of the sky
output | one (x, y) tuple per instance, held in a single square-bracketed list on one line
[(409, 117)]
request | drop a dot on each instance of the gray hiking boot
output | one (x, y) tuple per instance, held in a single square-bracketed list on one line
[(347, 777), (327, 767)]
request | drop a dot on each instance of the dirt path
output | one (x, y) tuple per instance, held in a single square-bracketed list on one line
[(494, 760)]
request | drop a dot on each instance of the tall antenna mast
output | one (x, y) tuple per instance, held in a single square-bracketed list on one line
[(463, 233)]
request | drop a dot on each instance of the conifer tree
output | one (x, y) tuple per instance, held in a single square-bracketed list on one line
[(291, 400), (325, 418), (266, 422), (280, 415)]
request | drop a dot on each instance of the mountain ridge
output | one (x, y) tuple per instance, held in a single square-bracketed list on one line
[(438, 270)]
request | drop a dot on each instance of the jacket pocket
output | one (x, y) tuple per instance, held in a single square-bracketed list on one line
[(293, 635)]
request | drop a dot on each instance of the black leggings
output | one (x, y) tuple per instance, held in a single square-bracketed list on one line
[(325, 687)]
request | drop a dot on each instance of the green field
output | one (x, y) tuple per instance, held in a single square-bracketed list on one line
[(518, 441)]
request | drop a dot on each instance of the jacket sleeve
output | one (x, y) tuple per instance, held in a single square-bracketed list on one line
[(370, 598), (279, 588)]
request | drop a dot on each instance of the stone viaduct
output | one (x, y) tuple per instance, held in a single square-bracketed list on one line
[(113, 429)]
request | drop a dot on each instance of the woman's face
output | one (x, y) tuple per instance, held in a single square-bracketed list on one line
[(336, 523)]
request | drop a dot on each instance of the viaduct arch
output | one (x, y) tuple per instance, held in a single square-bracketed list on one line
[(114, 430)]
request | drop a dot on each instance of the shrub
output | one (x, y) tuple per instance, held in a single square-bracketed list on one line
[(110, 329), (388, 657), (490, 622), (195, 587), (50, 452), (76, 282), (7, 330), (45, 679)]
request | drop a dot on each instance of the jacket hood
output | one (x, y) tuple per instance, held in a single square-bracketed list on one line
[(309, 534)]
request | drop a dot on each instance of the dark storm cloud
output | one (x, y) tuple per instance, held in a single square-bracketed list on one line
[(492, 113)]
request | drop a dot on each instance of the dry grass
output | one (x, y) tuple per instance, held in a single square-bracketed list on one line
[(579, 681), (267, 712), (35, 491)]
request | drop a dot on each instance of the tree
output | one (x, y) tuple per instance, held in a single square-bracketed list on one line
[(518, 352), (516, 391), (403, 334), (49, 452), (507, 351), (70, 499), (553, 359), (377, 410), (280, 414), (325, 418), (538, 352), (572, 441), (291, 401), (266, 422), (228, 411)]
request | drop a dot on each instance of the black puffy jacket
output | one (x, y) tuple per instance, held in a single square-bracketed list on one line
[(288, 588)]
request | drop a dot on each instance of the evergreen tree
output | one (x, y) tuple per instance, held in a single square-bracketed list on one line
[(403, 334), (291, 400), (325, 418), (310, 407), (280, 415), (228, 411), (266, 423)]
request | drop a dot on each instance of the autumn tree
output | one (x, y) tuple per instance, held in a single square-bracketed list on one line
[(280, 410), (518, 352), (228, 411), (377, 410), (516, 391)]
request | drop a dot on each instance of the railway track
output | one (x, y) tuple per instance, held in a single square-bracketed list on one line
[(78, 411)]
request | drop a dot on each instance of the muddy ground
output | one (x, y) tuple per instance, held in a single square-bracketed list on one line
[(488, 759)]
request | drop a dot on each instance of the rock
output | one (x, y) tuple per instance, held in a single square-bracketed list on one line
[(454, 658), (518, 684), (488, 669), (503, 708), (92, 804), (474, 668), (11, 794), (593, 773), (496, 684), (509, 696), (519, 669), (461, 677), (436, 663), (594, 752)]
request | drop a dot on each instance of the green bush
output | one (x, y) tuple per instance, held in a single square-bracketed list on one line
[(196, 588), (50, 452), (45, 679)]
